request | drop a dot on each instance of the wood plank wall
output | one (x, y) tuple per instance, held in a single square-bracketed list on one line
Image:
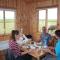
[(7, 3), (22, 16)]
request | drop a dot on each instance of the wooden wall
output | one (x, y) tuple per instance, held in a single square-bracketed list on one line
[(22, 16), (7, 3)]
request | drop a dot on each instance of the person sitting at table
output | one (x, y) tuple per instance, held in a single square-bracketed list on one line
[(45, 37), (14, 47), (36, 39), (23, 39), (56, 48)]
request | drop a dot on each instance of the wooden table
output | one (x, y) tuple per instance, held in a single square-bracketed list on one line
[(36, 53)]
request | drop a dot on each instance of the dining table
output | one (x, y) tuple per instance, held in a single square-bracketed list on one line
[(36, 52)]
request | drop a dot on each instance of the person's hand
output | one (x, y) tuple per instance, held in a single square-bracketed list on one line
[(45, 49), (30, 50), (49, 51), (51, 47)]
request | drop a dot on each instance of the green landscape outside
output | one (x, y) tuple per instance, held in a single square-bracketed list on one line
[(51, 22), (9, 25)]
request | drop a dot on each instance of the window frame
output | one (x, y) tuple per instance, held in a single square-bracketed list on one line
[(4, 19), (46, 20)]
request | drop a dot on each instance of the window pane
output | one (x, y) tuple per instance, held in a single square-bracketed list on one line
[(1, 14), (42, 14), (9, 27), (1, 28), (9, 21), (42, 17), (1, 22), (52, 18), (9, 14), (52, 13)]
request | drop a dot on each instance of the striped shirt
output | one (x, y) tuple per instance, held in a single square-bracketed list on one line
[(14, 48)]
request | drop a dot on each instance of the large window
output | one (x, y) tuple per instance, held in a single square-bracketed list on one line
[(7, 21), (48, 18)]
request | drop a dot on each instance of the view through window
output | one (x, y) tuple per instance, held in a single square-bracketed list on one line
[(7, 21), (42, 18)]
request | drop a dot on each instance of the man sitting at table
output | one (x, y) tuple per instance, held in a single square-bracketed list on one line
[(45, 37)]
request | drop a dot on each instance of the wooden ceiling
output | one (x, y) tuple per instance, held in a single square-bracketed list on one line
[(30, 1)]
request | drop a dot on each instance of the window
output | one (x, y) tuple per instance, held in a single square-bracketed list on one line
[(42, 18), (7, 21), (1, 22), (52, 16), (48, 18)]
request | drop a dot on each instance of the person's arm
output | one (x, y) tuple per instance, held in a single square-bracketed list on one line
[(22, 53), (52, 53), (25, 52), (50, 47), (48, 50), (50, 37)]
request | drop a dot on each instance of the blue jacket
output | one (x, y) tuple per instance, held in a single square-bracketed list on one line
[(57, 50)]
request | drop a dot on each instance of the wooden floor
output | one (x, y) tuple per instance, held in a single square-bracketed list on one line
[(2, 56)]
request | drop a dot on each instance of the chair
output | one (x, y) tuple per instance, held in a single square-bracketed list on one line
[(9, 55)]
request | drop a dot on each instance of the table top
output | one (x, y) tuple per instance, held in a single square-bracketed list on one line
[(36, 52)]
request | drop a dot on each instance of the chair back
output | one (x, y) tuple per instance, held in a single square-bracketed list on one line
[(9, 55)]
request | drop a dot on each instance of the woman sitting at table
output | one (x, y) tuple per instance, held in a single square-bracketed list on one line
[(14, 47), (56, 48)]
